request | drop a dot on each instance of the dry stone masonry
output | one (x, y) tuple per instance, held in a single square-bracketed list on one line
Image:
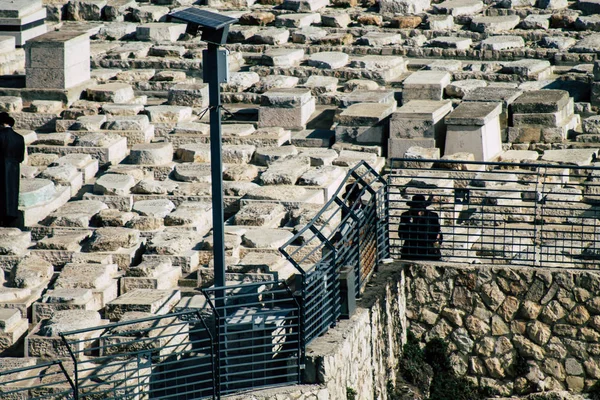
[(115, 195)]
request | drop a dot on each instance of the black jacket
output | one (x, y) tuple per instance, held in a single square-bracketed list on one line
[(420, 234), (12, 153)]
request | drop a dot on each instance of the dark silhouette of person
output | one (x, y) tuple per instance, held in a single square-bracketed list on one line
[(12, 153), (420, 230), (353, 199)]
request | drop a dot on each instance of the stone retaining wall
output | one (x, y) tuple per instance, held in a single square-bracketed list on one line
[(491, 315), (360, 353)]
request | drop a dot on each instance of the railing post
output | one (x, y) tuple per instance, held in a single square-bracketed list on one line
[(75, 368)]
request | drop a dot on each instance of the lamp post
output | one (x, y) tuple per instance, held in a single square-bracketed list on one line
[(214, 29)]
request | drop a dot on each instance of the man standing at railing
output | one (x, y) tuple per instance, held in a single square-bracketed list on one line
[(420, 229)]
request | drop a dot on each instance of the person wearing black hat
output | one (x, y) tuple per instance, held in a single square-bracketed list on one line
[(420, 229), (12, 153)]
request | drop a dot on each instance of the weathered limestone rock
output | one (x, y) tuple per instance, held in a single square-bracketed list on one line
[(162, 31), (114, 238), (189, 94), (114, 184), (99, 278), (392, 7), (35, 191), (257, 18), (536, 22), (449, 42), (169, 114), (267, 155), (31, 272), (157, 302), (154, 208), (76, 213), (13, 241), (308, 34), (459, 7), (266, 215), (363, 123), (571, 156), (328, 60), (474, 128), (151, 274), (44, 340), (340, 20), (241, 81), (380, 39), (58, 60), (65, 321), (12, 329), (298, 20), (194, 215), (64, 241), (502, 43), (151, 153), (285, 171), (11, 104), (265, 238), (84, 164), (111, 92), (192, 173), (61, 300), (425, 85), (272, 36), (461, 88), (272, 82), (504, 95), (304, 5), (494, 24), (282, 57), (286, 108)]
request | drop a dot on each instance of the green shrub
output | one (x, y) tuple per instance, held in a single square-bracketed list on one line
[(447, 386), (413, 366), (520, 366), (436, 355), (350, 394), (595, 391), (430, 370)]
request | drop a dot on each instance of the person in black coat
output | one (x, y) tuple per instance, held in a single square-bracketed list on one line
[(12, 153), (420, 229)]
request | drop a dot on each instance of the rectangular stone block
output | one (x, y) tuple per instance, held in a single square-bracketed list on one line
[(145, 300), (551, 119), (287, 118), (167, 280), (19, 8), (483, 141), (374, 134), (57, 60), (397, 147), (425, 85)]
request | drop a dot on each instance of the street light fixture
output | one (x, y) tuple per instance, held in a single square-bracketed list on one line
[(213, 28)]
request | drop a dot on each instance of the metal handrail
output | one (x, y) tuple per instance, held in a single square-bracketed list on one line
[(534, 214)]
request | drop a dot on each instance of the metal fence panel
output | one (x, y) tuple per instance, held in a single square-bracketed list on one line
[(257, 334), (44, 381), (346, 232), (509, 213), (160, 357)]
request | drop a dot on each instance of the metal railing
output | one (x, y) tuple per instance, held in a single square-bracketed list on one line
[(257, 336), (350, 231), (165, 356), (243, 337), (511, 213), (49, 380)]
